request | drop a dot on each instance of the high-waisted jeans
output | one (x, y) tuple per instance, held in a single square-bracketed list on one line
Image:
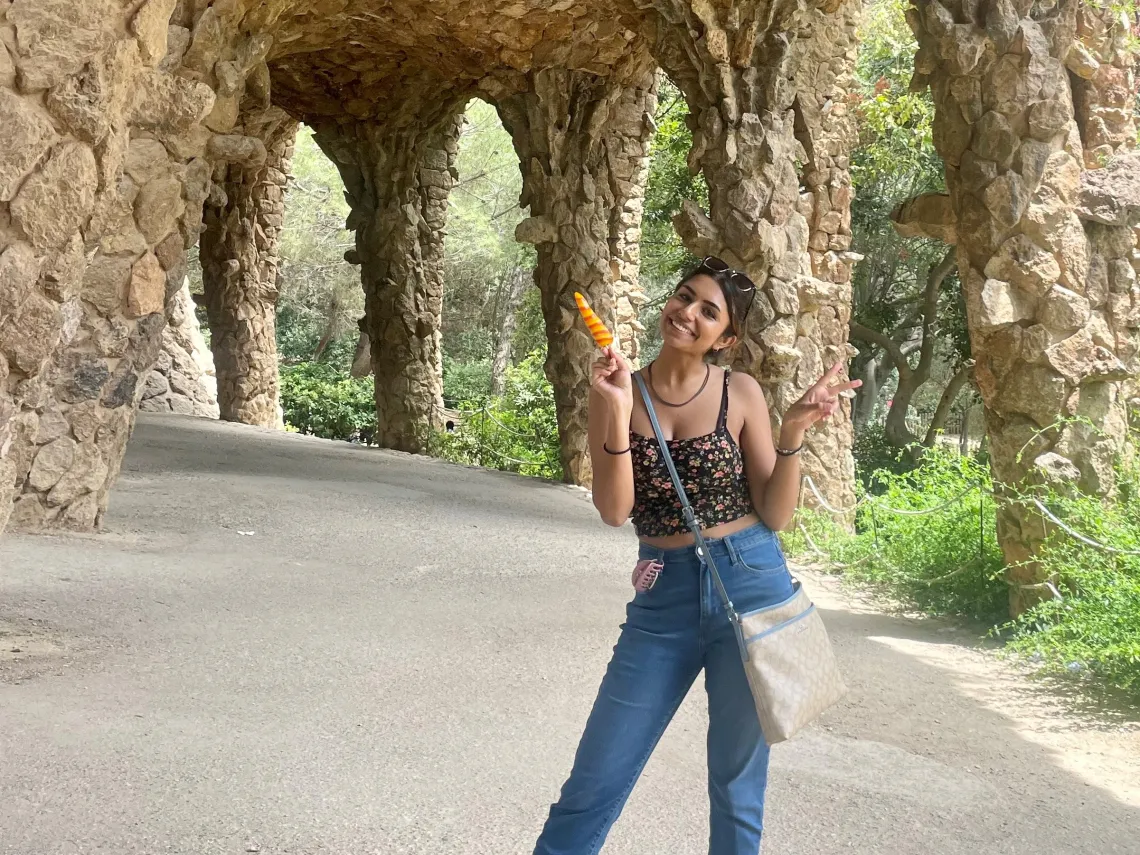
[(670, 633)]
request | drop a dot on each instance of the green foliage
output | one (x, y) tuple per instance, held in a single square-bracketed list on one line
[(324, 401), (517, 432), (893, 161), (321, 298), (481, 255), (465, 383), (1094, 630), (670, 183), (874, 453), (945, 562), (948, 563)]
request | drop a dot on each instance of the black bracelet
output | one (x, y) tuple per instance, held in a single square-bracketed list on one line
[(789, 452), (607, 450)]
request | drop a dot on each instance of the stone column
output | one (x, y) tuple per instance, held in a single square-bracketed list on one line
[(1103, 67), (109, 110), (183, 380), (397, 178), (1046, 319), (243, 219), (582, 142), (753, 117), (827, 132)]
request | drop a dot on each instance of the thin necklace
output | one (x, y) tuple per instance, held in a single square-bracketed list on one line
[(649, 371)]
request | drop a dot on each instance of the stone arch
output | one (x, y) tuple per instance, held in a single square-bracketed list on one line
[(145, 117)]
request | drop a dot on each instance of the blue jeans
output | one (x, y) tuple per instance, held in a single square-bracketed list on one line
[(671, 632)]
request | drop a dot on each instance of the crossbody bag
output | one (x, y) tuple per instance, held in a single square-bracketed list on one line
[(788, 657)]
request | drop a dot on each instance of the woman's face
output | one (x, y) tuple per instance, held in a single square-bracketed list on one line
[(696, 319)]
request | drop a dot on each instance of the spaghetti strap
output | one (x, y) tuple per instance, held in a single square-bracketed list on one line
[(722, 419)]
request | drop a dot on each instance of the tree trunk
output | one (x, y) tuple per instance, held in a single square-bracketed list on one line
[(946, 403), (515, 289)]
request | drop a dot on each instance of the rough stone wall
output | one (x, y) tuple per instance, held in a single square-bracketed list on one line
[(113, 114), (738, 66), (1051, 308), (583, 145), (397, 178), (183, 379), (90, 207), (1104, 87), (827, 132), (239, 251)]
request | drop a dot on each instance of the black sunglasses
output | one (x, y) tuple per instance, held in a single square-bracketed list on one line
[(738, 280)]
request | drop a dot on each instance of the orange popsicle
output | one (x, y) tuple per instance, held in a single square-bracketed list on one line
[(598, 330)]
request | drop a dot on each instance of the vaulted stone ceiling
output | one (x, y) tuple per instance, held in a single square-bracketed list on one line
[(365, 56)]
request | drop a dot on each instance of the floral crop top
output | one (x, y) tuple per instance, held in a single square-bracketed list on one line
[(711, 469)]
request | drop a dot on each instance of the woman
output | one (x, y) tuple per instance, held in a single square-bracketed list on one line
[(743, 488)]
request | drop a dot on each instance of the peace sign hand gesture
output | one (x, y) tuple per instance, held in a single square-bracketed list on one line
[(818, 403)]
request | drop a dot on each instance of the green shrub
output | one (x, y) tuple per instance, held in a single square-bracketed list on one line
[(324, 401), (517, 432), (873, 452), (1093, 631), (948, 563), (465, 382)]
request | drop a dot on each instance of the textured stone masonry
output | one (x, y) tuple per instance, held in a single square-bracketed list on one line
[(239, 252), (397, 177), (1051, 300), (183, 380), (583, 146)]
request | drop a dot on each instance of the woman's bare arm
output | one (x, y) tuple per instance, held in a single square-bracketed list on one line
[(773, 480)]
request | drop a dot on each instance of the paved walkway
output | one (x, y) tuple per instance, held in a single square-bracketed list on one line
[(290, 646)]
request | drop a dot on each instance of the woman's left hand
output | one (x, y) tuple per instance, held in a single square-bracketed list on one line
[(818, 402)]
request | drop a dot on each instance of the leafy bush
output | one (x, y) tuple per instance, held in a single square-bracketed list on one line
[(1094, 630), (874, 452), (948, 563), (465, 382), (517, 432), (324, 401)]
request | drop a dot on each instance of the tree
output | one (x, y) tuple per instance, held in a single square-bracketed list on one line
[(321, 298), (908, 312), (486, 270)]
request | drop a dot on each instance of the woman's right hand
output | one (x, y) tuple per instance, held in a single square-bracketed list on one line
[(612, 380)]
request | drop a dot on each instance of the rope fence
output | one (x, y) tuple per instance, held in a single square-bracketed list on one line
[(482, 416), (876, 505)]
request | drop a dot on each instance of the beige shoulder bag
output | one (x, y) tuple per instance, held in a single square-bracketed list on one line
[(788, 659)]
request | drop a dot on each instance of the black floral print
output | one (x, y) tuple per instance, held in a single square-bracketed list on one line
[(711, 469)]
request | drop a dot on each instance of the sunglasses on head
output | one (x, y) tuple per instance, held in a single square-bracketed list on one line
[(735, 278)]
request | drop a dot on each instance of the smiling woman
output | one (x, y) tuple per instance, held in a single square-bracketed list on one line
[(743, 488)]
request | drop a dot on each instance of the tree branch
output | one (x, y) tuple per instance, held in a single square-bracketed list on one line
[(934, 280), (885, 342), (946, 402)]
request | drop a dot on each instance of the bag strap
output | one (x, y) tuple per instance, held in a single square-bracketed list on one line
[(686, 509)]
